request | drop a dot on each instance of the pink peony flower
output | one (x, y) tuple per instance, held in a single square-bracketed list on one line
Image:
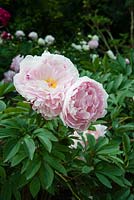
[(15, 65), (99, 132), (93, 44), (8, 76), (85, 101), (4, 16), (43, 80)]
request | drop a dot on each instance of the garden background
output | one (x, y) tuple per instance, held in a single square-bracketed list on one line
[(37, 160)]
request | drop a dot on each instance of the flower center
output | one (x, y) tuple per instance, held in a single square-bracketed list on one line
[(51, 82)]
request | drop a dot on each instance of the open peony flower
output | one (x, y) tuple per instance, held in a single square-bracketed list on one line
[(33, 35), (43, 80), (99, 132), (85, 101), (15, 65), (19, 34)]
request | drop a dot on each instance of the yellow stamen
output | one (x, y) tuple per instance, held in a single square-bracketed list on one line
[(51, 82)]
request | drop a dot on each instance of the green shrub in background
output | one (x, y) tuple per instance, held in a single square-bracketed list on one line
[(69, 16)]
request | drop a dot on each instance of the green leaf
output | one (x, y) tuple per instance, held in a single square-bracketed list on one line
[(55, 163), (34, 186), (117, 180), (2, 172), (46, 176), (2, 106), (45, 133), (126, 143), (33, 168), (13, 151), (118, 81), (18, 158), (86, 169), (30, 145), (91, 141), (102, 141), (46, 142), (103, 180)]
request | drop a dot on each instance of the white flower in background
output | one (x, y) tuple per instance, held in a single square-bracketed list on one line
[(8, 76), (83, 42), (85, 47), (19, 34), (93, 44), (76, 46), (49, 39), (1, 41), (94, 56), (111, 54), (15, 65), (33, 35), (95, 37), (41, 42), (99, 132), (127, 61), (89, 36)]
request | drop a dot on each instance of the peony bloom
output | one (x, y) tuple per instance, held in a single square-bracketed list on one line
[(19, 34), (85, 101), (93, 44), (15, 65), (6, 36), (4, 16), (8, 76), (99, 132), (111, 54), (33, 35), (49, 39), (41, 42), (43, 80)]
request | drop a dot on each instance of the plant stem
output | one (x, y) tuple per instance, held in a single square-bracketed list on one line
[(69, 186), (132, 27)]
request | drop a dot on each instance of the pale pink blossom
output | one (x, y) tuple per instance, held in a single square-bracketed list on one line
[(43, 80), (76, 138), (85, 101), (15, 65), (93, 44), (8, 76), (99, 132)]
